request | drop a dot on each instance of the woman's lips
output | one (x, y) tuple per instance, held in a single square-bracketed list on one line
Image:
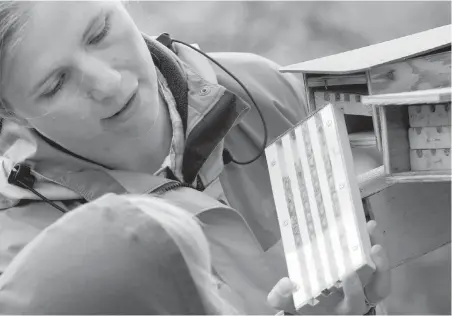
[(125, 113), (126, 106)]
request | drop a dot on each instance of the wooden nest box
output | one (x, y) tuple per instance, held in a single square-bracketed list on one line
[(416, 62), (416, 134)]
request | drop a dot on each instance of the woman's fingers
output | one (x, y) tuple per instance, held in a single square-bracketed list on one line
[(354, 300), (374, 233), (280, 297), (379, 286)]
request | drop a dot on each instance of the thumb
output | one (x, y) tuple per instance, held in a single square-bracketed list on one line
[(280, 297), (375, 234), (354, 300)]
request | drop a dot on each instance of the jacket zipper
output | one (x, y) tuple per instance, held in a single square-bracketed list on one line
[(170, 186)]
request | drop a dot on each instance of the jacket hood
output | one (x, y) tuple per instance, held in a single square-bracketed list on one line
[(52, 166), (124, 263)]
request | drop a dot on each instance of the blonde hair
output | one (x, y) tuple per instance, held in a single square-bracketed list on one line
[(187, 233), (12, 20)]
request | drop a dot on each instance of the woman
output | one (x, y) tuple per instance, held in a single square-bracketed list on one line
[(92, 106), (157, 247)]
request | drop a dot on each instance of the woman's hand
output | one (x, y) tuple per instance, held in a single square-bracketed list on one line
[(354, 300)]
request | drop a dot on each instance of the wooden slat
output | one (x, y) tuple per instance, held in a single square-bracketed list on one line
[(375, 114), (372, 182), (344, 80), (309, 95), (384, 140), (422, 73), (367, 57), (348, 103), (419, 176), (431, 96), (396, 150), (362, 139)]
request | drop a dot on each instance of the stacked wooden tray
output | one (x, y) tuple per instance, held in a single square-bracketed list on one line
[(416, 134), (429, 137)]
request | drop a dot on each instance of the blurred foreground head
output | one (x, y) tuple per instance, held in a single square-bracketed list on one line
[(117, 255)]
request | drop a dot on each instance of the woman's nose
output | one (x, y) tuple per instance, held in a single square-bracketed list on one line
[(102, 81)]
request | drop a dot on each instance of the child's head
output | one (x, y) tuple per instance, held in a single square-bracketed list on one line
[(117, 255), (186, 232)]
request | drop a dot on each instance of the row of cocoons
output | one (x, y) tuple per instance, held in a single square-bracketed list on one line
[(430, 137)]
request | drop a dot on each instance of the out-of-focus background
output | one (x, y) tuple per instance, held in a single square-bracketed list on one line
[(288, 32)]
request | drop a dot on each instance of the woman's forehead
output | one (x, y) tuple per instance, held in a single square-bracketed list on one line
[(51, 33), (49, 15)]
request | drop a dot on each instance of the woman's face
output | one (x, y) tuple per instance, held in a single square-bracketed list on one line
[(82, 75)]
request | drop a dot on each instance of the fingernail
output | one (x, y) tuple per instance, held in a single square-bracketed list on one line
[(285, 291), (371, 225), (377, 249), (380, 257)]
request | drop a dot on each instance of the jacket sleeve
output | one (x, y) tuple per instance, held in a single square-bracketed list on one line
[(280, 96), (290, 84)]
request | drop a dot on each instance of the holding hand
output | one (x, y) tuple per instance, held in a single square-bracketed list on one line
[(354, 295)]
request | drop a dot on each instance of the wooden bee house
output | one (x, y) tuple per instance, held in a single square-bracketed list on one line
[(412, 138), (416, 134), (416, 62)]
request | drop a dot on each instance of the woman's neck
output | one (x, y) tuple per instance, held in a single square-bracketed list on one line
[(147, 153), (159, 144)]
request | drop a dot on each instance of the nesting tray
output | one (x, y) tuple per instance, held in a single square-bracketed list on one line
[(319, 206), (416, 134)]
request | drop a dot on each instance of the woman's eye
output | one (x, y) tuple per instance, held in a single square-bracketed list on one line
[(102, 34), (57, 86)]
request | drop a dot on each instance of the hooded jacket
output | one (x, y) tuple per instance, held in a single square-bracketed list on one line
[(242, 228)]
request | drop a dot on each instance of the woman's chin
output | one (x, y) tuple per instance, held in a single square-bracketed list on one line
[(137, 129)]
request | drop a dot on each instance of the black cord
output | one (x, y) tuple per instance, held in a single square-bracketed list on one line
[(21, 176), (42, 197), (264, 145)]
